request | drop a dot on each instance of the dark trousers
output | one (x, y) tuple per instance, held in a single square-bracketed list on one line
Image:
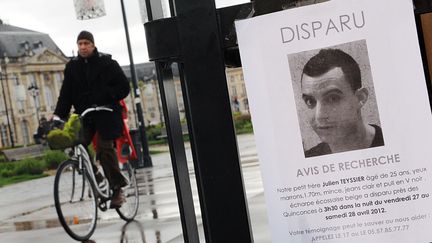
[(106, 154)]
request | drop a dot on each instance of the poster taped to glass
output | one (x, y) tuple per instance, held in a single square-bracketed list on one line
[(342, 121)]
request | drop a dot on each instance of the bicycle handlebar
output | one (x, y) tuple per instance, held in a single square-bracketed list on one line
[(97, 108), (57, 122)]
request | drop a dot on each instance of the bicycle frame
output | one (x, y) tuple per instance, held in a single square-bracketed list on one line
[(81, 155), (84, 164)]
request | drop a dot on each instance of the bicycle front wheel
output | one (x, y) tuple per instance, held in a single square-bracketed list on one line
[(129, 209), (75, 200)]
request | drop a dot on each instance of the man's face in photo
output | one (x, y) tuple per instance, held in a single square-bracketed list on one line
[(333, 107)]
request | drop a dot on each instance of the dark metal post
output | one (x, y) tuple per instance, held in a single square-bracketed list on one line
[(34, 92), (177, 151), (12, 110), (193, 39), (141, 125), (213, 139)]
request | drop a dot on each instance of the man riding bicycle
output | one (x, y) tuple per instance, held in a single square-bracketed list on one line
[(94, 79)]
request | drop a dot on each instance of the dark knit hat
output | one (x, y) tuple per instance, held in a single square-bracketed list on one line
[(85, 35)]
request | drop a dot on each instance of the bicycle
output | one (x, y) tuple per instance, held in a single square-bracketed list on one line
[(77, 209)]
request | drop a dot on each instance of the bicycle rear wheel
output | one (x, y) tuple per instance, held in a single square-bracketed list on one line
[(129, 209), (76, 207)]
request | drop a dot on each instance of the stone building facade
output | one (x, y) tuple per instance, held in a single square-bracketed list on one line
[(31, 74), (150, 96), (237, 90)]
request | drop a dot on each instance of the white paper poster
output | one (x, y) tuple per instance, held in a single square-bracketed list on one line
[(342, 121), (89, 9)]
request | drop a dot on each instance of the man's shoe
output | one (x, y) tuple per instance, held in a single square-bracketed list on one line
[(117, 199)]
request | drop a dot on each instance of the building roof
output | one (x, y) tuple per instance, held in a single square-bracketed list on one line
[(17, 42), (145, 71)]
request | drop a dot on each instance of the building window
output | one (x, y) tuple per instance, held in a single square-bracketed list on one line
[(37, 45), (236, 104), (20, 106), (232, 79), (36, 102), (149, 100), (15, 79), (25, 45), (58, 78), (148, 89), (49, 99), (4, 135), (181, 105), (246, 104), (46, 77), (25, 132), (31, 78), (178, 87), (20, 97), (2, 105), (234, 90)]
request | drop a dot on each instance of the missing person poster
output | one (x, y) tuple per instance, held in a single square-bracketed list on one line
[(342, 121)]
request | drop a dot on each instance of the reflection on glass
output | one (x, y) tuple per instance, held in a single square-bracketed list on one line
[(150, 184), (134, 232), (146, 187)]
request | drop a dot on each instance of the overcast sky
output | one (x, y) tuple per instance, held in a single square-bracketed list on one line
[(57, 18)]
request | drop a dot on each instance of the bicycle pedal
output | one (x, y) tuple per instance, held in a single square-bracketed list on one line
[(103, 206), (104, 186)]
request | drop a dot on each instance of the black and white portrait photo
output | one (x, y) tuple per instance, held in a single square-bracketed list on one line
[(335, 99)]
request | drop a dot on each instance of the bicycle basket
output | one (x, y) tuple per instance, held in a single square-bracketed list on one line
[(66, 137)]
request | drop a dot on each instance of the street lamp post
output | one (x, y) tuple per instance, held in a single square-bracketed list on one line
[(144, 143), (6, 109), (34, 92)]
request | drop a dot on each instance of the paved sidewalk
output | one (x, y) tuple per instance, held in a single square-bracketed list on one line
[(27, 213)]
